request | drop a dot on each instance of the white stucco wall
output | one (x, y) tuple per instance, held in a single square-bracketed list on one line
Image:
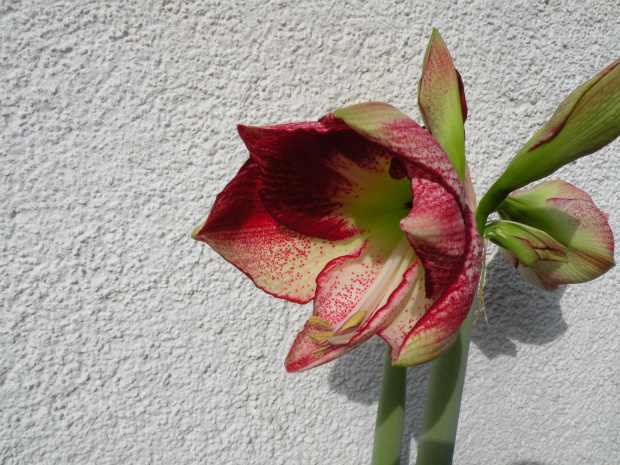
[(123, 341)]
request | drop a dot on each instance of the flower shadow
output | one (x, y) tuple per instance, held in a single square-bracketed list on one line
[(357, 375), (516, 310)]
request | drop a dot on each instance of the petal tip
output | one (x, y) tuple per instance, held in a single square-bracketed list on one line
[(196, 233), (436, 36), (247, 133)]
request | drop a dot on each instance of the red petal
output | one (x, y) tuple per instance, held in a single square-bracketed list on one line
[(321, 179), (435, 332), (279, 261), (436, 231), (415, 307), (377, 273), (300, 356), (345, 280)]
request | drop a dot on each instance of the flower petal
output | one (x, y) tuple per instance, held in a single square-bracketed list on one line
[(324, 180), (528, 273), (279, 261), (436, 331), (591, 252), (436, 231), (345, 281), (442, 101), (388, 127), (366, 288), (415, 307), (544, 206)]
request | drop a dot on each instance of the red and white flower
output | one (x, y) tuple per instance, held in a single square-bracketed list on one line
[(364, 213)]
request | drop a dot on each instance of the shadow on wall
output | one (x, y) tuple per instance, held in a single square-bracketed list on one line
[(357, 375), (516, 310)]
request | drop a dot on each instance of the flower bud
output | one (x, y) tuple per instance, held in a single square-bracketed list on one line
[(553, 234), (587, 120)]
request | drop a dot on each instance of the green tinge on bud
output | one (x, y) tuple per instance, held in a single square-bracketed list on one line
[(441, 99), (527, 244), (553, 234), (587, 120)]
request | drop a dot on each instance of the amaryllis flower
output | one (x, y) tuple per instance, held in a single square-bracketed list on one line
[(553, 234), (363, 212)]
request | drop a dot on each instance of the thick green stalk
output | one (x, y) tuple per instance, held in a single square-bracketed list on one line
[(443, 401), (390, 414), (488, 204)]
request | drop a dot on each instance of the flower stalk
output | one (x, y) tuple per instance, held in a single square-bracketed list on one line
[(390, 414), (441, 411), (443, 401)]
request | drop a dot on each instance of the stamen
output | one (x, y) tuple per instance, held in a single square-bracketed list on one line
[(320, 352), (319, 337), (352, 321), (318, 321)]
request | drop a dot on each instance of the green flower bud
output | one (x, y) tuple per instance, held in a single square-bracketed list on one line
[(553, 234), (587, 120)]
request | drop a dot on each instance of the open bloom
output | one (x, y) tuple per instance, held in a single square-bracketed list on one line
[(553, 234), (363, 212)]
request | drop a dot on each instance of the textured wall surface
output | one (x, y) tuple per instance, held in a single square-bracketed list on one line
[(124, 341)]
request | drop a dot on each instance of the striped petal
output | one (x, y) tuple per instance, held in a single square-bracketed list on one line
[(436, 231), (357, 295), (435, 331)]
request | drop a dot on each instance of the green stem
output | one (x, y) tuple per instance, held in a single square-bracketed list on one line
[(488, 204), (390, 414), (443, 401)]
